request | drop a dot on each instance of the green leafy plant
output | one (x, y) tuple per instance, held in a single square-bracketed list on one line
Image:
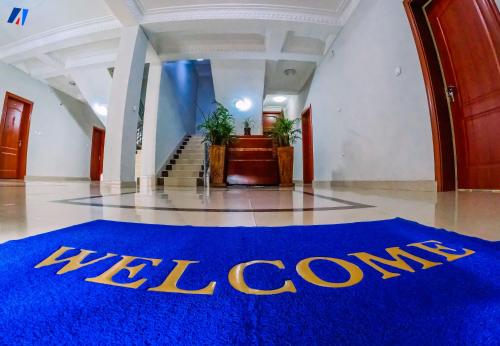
[(285, 131), (248, 123), (218, 127)]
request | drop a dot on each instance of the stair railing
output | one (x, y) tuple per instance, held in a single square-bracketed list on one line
[(206, 166), (140, 124)]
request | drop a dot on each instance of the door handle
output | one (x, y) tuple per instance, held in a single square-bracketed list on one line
[(451, 91), (20, 143)]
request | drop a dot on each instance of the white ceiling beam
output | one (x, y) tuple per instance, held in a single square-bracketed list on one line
[(48, 72), (62, 37), (107, 59), (22, 67), (28, 54), (49, 60), (128, 12), (100, 60), (275, 40), (244, 55)]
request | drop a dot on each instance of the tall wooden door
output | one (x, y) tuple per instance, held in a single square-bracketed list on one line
[(97, 154), (268, 120), (467, 35), (14, 128), (307, 146)]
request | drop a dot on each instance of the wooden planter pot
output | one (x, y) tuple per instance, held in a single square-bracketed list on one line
[(285, 163), (217, 163)]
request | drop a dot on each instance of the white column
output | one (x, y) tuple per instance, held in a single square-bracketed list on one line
[(148, 165), (120, 145)]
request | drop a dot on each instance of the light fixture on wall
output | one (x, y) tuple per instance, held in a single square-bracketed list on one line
[(243, 104), (200, 60), (279, 99), (290, 72), (99, 109)]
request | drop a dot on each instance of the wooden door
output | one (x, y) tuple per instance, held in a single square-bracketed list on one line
[(14, 128), (307, 146), (467, 35), (268, 120), (97, 154)]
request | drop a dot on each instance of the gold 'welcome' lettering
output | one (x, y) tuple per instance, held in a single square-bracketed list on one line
[(236, 275), (106, 278), (74, 262), (237, 279), (305, 271), (396, 261), (437, 249), (170, 283)]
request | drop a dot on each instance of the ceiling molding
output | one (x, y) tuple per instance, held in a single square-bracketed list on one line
[(241, 11)]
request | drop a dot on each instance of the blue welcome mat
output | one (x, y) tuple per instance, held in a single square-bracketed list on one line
[(383, 282)]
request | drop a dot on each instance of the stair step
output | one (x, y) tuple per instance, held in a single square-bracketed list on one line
[(197, 151), (191, 156), (183, 174), (183, 161), (194, 146), (186, 167), (182, 182)]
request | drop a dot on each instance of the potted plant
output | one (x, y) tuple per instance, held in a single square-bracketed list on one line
[(218, 130), (285, 133), (247, 126)]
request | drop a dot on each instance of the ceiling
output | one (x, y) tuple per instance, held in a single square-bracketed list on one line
[(280, 78), (62, 36)]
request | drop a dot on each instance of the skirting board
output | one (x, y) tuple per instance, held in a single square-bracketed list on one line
[(119, 184), (54, 179), (401, 185)]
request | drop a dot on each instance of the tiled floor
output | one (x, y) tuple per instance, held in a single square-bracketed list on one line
[(31, 208)]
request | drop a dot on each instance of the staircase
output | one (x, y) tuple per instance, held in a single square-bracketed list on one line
[(186, 168)]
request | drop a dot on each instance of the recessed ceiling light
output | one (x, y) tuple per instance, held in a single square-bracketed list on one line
[(290, 72), (279, 99), (243, 104)]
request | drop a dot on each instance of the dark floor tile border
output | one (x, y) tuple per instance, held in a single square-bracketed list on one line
[(349, 205)]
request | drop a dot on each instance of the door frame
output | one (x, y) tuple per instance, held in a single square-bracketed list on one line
[(307, 170), (25, 130), (101, 150), (441, 119)]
